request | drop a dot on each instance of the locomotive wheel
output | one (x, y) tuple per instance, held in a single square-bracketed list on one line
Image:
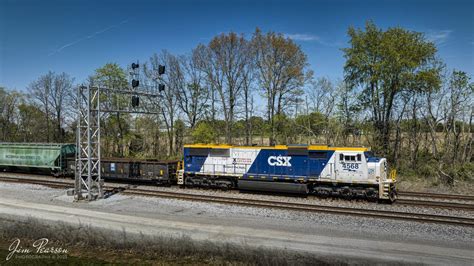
[(346, 194), (371, 195), (323, 193), (189, 184)]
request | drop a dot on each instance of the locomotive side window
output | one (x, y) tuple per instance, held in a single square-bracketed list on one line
[(350, 158), (220, 152), (318, 155), (297, 152), (198, 152)]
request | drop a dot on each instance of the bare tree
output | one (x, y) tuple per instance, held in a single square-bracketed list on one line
[(58, 100), (281, 66), (223, 62), (174, 81), (248, 75), (193, 96), (40, 90), (323, 96)]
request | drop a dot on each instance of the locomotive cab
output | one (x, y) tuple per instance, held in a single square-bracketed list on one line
[(378, 171)]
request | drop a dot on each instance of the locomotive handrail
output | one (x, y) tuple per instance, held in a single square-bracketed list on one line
[(205, 168), (393, 175)]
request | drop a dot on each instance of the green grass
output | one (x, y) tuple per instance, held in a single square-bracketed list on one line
[(71, 260)]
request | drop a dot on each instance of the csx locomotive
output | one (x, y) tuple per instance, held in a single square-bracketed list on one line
[(321, 170)]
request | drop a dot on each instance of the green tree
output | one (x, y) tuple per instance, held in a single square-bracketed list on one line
[(347, 112), (8, 106), (30, 123), (113, 77), (204, 133), (179, 131), (385, 63)]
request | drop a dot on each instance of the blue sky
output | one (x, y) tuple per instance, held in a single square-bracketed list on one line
[(77, 37)]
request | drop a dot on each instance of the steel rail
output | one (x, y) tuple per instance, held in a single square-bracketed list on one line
[(435, 195), (435, 204), (419, 217)]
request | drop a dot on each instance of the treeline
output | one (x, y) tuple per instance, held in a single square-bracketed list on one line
[(396, 97)]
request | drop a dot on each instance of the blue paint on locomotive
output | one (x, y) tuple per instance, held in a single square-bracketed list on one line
[(193, 163), (278, 163), (371, 158), (272, 163), (318, 163)]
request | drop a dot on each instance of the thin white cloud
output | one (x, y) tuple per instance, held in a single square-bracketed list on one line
[(438, 36), (302, 37), (313, 38), (90, 36)]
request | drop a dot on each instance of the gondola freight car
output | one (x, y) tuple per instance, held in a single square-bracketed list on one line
[(159, 172)]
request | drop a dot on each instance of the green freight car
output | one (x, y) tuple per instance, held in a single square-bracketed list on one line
[(57, 159)]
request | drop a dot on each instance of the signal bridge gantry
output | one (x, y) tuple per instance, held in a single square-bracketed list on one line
[(94, 103)]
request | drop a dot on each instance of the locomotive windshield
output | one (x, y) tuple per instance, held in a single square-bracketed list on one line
[(369, 154)]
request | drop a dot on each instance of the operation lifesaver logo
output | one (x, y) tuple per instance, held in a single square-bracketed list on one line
[(38, 250), (279, 161)]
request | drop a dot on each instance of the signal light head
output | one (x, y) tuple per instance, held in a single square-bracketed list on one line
[(135, 101), (135, 83), (161, 87), (161, 70)]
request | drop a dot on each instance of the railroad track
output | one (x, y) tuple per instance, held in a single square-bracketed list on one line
[(35, 181), (384, 214), (402, 194), (430, 218), (435, 195), (435, 204)]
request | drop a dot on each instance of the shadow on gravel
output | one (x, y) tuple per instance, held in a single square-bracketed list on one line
[(111, 192)]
